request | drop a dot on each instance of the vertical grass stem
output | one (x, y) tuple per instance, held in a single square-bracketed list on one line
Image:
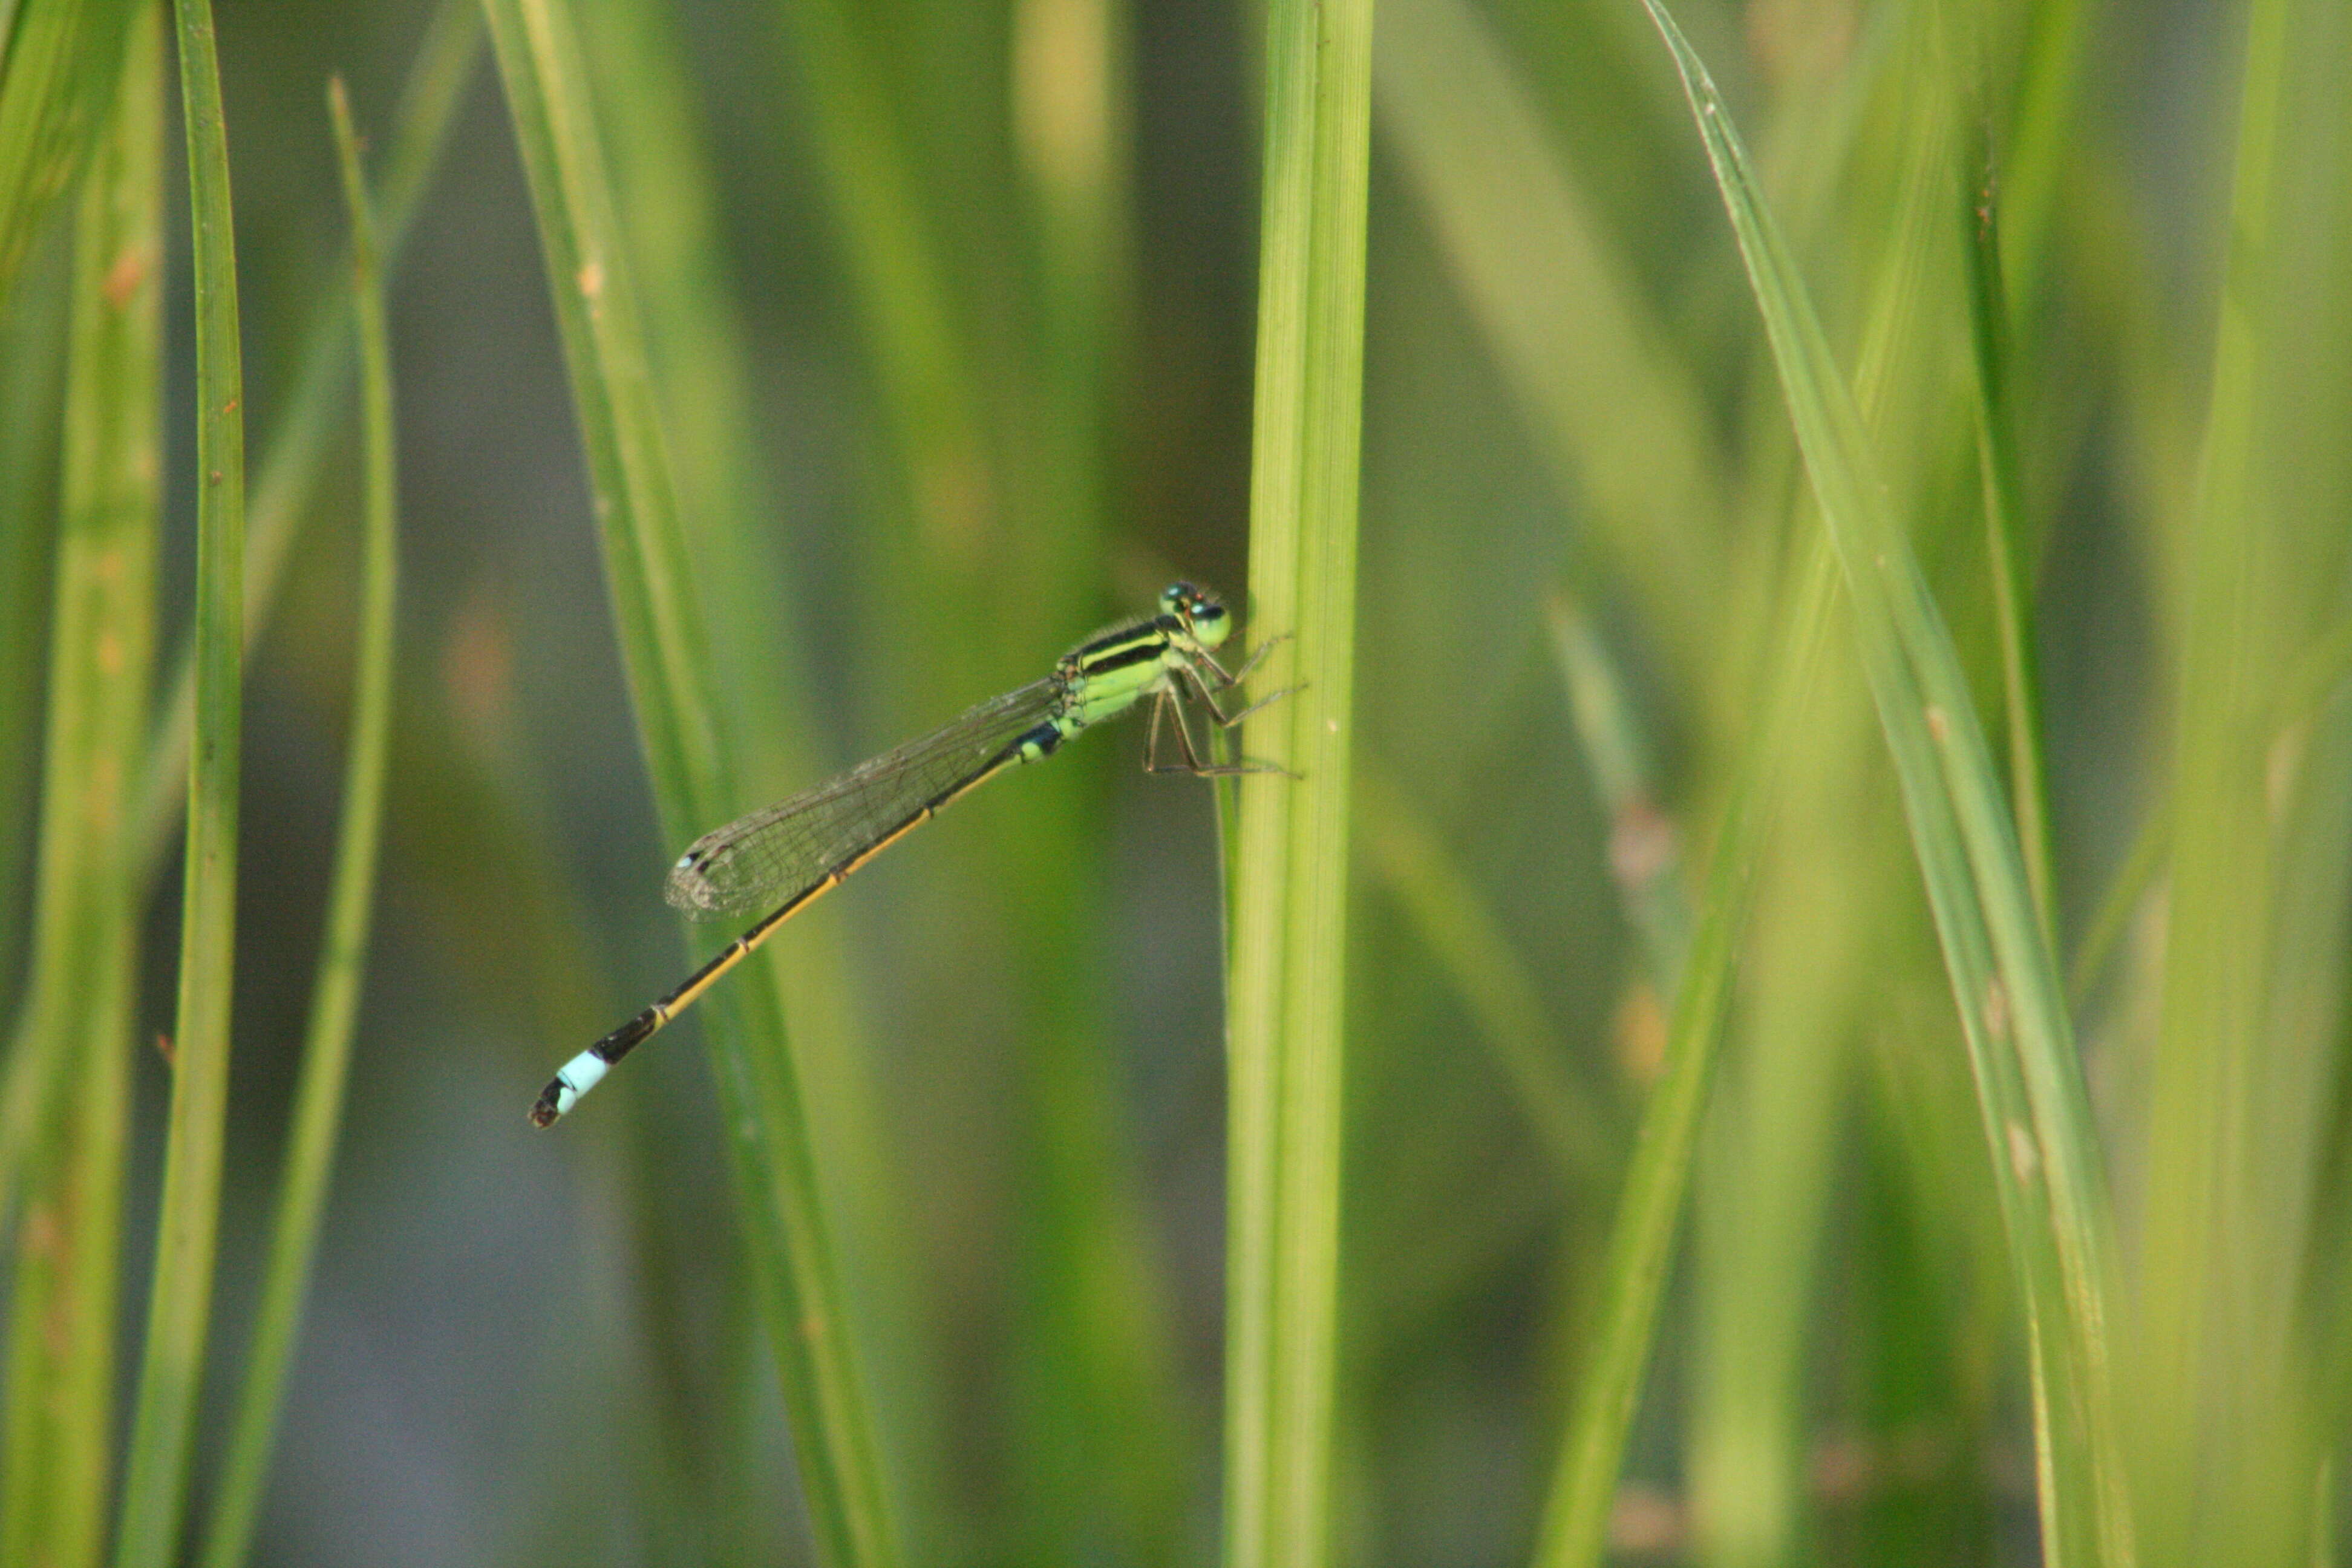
[(180, 1309)]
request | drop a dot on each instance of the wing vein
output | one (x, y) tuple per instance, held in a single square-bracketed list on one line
[(772, 854)]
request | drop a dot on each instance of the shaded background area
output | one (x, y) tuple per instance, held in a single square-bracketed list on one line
[(917, 463)]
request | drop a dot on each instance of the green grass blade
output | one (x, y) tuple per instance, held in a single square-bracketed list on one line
[(2249, 1053), (335, 993), (1284, 1026), (1574, 1530), (63, 61), (895, 269), (293, 453), (1608, 407), (2005, 542), (669, 180), (2036, 1118), (290, 465), (1814, 967), (61, 1366), (646, 572), (2044, 138), (2126, 890), (162, 1434), (32, 378)]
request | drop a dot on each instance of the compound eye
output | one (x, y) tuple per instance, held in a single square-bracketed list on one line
[(1173, 596)]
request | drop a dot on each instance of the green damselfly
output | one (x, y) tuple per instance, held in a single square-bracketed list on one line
[(782, 858)]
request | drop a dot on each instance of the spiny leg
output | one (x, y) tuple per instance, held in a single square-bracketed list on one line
[(1227, 720), (1192, 763), (1151, 741), (1207, 692), (1160, 707), (1257, 656)]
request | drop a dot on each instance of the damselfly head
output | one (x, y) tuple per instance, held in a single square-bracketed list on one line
[(1203, 613)]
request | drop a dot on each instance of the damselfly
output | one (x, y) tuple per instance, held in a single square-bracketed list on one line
[(782, 858)]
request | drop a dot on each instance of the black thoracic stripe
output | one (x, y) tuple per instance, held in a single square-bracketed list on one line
[(1154, 628), (1142, 650)]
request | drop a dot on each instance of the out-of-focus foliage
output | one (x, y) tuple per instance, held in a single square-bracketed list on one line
[(945, 323)]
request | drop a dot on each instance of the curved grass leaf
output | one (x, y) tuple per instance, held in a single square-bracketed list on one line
[(2031, 1095)]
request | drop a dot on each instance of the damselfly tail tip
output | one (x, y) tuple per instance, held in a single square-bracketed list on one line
[(564, 1089)]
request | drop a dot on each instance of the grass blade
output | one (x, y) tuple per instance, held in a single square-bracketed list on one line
[(667, 179), (1604, 398), (294, 452), (335, 994), (1284, 1026), (290, 465), (61, 1370), (163, 1430), (32, 378), (1575, 1525), (783, 1217), (2241, 1123), (1766, 1171), (2044, 138), (64, 61), (893, 264), (2005, 543), (2031, 1095)]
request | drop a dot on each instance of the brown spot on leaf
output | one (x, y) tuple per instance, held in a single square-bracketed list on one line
[(123, 276)]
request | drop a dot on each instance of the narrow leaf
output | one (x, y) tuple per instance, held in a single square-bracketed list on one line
[(180, 1308), (1284, 1027), (58, 1453), (646, 572), (1575, 1526), (2036, 1118), (335, 994)]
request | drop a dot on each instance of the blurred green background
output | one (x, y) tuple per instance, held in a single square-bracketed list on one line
[(949, 315)]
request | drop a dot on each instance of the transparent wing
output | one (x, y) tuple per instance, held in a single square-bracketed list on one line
[(756, 862)]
